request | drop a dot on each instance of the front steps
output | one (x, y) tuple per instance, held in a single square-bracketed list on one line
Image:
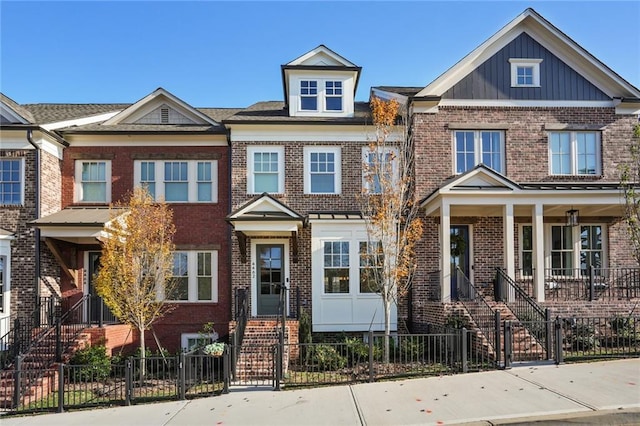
[(256, 359)]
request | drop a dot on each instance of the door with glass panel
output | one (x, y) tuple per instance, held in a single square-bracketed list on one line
[(98, 308), (270, 277)]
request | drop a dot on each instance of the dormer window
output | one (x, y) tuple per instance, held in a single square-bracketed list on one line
[(525, 72), (309, 95), (333, 95)]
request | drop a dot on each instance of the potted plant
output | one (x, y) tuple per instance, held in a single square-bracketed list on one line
[(214, 349)]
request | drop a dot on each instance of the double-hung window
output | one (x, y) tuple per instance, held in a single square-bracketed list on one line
[(574, 153), (480, 146), (265, 169), (184, 181), (309, 95), (195, 276), (333, 95), (336, 266), (11, 178), (379, 169), (526, 250), (322, 166), (574, 250), (371, 261), (93, 181)]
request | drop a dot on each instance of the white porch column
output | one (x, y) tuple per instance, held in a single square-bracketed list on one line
[(445, 251), (509, 246), (537, 231)]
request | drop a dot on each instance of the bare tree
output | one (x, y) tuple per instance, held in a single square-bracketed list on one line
[(137, 264), (630, 180), (390, 209)]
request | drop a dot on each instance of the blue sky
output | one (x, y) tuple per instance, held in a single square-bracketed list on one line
[(228, 54)]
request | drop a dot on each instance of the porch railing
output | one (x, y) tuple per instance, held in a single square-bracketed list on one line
[(526, 310), (237, 335), (592, 283), (479, 310)]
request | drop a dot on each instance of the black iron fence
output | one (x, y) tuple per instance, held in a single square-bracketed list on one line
[(183, 376), (592, 283)]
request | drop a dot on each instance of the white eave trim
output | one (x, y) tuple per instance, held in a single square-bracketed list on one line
[(79, 121), (302, 133), (526, 103)]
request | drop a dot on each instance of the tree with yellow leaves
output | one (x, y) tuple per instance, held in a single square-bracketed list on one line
[(389, 207), (137, 263)]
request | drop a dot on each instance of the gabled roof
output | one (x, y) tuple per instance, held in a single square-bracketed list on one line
[(155, 99), (52, 113), (263, 207), (321, 56), (20, 114), (552, 39)]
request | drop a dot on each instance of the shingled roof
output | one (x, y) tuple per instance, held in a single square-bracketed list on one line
[(273, 112)]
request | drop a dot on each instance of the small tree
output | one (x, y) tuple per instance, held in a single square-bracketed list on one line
[(630, 179), (137, 264), (390, 209)]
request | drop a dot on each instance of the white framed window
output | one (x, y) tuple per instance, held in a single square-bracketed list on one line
[(371, 262), (322, 170), (265, 169), (196, 276), (336, 267), (11, 181), (377, 163), (309, 95), (191, 341), (574, 153), (526, 250), (573, 250), (178, 181), (525, 72), (93, 181), (480, 146), (333, 95)]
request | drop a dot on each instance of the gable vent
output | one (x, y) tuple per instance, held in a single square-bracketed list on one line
[(164, 115)]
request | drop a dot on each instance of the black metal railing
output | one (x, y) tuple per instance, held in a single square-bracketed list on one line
[(592, 283), (237, 336), (526, 310), (481, 313)]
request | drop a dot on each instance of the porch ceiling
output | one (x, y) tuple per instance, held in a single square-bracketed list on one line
[(524, 210)]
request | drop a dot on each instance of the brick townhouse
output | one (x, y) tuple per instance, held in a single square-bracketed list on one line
[(517, 147)]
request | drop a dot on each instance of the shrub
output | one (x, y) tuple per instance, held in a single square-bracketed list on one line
[(326, 357), (91, 364)]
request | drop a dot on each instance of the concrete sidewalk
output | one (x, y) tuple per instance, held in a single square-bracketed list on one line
[(590, 393)]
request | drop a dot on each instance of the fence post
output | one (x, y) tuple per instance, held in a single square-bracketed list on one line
[(128, 385), (508, 349), (591, 283), (548, 334), (371, 375), (182, 376), (465, 361), (498, 334), (17, 382), (226, 368), (58, 341), (558, 337), (278, 359), (61, 388)]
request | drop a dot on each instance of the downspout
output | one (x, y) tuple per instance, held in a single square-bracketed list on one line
[(36, 214)]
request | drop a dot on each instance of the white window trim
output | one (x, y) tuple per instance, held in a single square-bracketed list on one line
[(365, 160), (192, 274), (322, 95), (78, 181), (192, 179), (520, 248), (525, 62), (574, 153), (22, 180), (250, 172), (477, 149), (337, 171), (184, 338), (576, 245)]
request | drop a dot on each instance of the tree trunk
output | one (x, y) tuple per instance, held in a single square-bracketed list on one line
[(387, 329), (143, 357)]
